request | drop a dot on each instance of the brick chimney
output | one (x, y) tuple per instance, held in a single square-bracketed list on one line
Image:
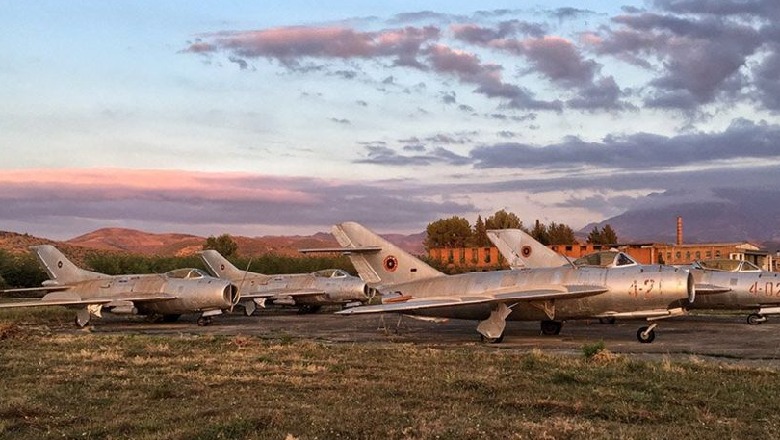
[(679, 231)]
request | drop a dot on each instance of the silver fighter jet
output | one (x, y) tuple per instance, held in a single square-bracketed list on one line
[(307, 291), (737, 285), (550, 295), (168, 295)]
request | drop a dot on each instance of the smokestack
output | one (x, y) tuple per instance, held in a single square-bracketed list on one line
[(679, 231)]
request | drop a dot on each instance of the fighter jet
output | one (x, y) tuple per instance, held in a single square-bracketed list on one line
[(307, 291), (550, 295), (168, 295), (719, 283), (737, 285)]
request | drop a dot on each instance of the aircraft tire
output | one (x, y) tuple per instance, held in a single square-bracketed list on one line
[(497, 340), (551, 328), (306, 309), (645, 339), (755, 319), (607, 321), (204, 320), (170, 318)]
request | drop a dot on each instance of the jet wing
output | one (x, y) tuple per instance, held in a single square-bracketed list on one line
[(492, 296), (71, 299), (54, 302), (36, 289), (706, 289)]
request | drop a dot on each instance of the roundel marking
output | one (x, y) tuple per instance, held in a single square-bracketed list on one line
[(221, 267), (526, 251), (59, 264), (390, 263)]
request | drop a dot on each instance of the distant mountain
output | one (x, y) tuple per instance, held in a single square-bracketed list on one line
[(146, 243), (139, 242), (703, 222)]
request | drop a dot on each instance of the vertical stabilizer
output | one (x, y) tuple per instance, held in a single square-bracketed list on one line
[(522, 251), (59, 268), (388, 265), (220, 267)]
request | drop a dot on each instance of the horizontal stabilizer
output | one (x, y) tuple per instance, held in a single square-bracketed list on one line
[(344, 249)]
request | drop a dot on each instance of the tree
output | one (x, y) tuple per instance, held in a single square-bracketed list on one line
[(224, 244), (480, 233), (503, 220), (605, 236), (609, 234), (452, 232), (539, 233), (560, 233)]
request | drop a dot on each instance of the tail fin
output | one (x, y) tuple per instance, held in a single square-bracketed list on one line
[(59, 268), (220, 267), (522, 251), (376, 259)]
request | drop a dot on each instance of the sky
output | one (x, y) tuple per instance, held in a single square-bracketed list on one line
[(282, 118)]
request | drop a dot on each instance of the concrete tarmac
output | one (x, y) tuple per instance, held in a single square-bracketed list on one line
[(720, 337)]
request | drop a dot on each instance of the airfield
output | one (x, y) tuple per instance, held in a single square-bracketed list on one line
[(713, 337)]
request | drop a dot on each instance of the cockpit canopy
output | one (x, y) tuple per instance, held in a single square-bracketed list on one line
[(331, 273), (606, 259), (186, 273), (725, 265)]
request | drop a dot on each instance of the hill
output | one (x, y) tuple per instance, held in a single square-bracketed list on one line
[(145, 243)]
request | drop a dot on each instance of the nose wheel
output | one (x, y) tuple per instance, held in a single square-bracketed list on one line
[(551, 328), (755, 319), (646, 334)]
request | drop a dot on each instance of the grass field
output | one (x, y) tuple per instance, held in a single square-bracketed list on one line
[(97, 386)]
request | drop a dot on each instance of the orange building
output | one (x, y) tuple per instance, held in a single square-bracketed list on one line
[(488, 258)]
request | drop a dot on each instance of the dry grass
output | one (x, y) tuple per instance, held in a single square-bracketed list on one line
[(97, 386)]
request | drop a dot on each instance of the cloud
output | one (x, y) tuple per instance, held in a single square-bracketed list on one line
[(699, 59), (194, 199), (381, 155), (740, 141), (289, 45)]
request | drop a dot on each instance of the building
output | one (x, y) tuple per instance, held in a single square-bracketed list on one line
[(488, 258)]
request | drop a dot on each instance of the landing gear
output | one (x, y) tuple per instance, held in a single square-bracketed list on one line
[(204, 320), (646, 334), (82, 318), (492, 329), (551, 328), (497, 340), (306, 309), (170, 318), (755, 319), (607, 321)]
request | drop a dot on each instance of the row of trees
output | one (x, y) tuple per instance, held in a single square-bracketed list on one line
[(457, 232), (23, 270)]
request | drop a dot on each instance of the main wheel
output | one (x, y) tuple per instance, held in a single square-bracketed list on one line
[(755, 319), (551, 328), (609, 320), (306, 309), (170, 318), (204, 320), (497, 340), (643, 337)]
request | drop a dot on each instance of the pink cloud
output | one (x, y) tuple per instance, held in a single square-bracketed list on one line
[(148, 184), (289, 44)]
